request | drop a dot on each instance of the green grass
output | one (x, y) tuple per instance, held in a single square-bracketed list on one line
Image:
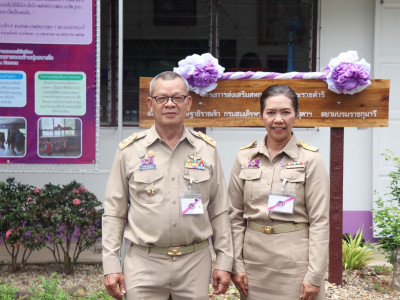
[(7, 292), (50, 290), (383, 269)]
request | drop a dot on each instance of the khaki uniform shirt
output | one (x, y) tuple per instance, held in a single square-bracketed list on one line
[(249, 188), (144, 205)]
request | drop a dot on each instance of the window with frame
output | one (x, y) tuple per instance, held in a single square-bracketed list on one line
[(253, 35)]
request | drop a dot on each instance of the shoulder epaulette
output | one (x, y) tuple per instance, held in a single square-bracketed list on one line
[(207, 139), (130, 139), (308, 147), (251, 145)]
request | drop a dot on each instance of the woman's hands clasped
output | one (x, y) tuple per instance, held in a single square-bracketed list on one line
[(309, 291)]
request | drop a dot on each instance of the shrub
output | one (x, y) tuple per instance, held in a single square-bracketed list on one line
[(355, 255), (347, 237), (69, 213), (19, 226), (55, 217), (49, 290), (387, 213), (387, 219), (7, 292)]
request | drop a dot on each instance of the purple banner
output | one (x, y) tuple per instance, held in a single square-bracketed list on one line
[(48, 81)]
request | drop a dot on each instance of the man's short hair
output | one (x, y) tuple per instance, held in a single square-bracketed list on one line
[(168, 75)]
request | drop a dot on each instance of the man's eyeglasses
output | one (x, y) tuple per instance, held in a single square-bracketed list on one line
[(175, 99)]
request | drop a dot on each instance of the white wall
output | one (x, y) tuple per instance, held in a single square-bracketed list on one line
[(345, 25), (349, 25)]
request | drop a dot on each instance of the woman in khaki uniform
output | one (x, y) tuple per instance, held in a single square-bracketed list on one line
[(279, 196)]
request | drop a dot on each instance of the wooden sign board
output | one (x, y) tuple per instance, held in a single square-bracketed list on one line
[(236, 103)]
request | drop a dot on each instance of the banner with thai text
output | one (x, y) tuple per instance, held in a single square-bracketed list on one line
[(48, 81), (236, 103)]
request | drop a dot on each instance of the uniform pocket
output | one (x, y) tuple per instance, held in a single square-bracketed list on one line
[(200, 182), (294, 178), (197, 176), (293, 175), (148, 176), (252, 180), (145, 180)]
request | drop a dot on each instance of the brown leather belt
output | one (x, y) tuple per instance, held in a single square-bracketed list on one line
[(175, 251), (280, 228)]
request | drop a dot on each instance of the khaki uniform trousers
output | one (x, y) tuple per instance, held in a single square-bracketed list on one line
[(276, 265), (157, 276)]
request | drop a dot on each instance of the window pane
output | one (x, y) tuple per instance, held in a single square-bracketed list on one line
[(105, 61), (266, 35), (257, 35), (157, 34)]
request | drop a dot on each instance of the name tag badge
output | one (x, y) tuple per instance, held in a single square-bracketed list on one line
[(281, 201), (191, 203)]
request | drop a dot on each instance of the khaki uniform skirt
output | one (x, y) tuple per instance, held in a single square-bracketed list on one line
[(276, 265)]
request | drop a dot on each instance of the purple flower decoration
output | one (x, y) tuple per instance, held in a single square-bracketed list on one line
[(346, 75), (204, 76), (201, 72)]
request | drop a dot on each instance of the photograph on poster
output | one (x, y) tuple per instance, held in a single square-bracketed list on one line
[(60, 137), (12, 137)]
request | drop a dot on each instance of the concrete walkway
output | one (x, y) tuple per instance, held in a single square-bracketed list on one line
[(379, 260)]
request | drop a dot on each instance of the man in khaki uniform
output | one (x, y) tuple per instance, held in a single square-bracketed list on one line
[(166, 195)]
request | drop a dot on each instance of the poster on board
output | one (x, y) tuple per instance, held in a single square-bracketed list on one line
[(48, 81)]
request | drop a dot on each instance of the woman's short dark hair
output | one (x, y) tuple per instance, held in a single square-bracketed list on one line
[(276, 90)]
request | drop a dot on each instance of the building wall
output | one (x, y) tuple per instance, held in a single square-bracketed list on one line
[(348, 25), (344, 25)]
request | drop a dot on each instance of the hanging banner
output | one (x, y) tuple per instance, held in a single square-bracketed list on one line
[(236, 103), (48, 81)]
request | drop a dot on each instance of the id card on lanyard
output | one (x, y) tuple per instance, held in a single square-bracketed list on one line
[(281, 200), (191, 201)]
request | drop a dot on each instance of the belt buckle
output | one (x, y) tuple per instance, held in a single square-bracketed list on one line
[(175, 251), (268, 229)]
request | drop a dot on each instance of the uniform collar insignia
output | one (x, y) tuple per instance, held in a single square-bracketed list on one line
[(195, 157)]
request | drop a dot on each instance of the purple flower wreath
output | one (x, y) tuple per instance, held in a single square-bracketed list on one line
[(344, 74), (201, 72)]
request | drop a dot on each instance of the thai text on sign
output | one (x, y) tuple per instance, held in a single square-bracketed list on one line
[(236, 103)]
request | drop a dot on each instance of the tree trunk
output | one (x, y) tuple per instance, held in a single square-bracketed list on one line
[(396, 270), (68, 268)]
